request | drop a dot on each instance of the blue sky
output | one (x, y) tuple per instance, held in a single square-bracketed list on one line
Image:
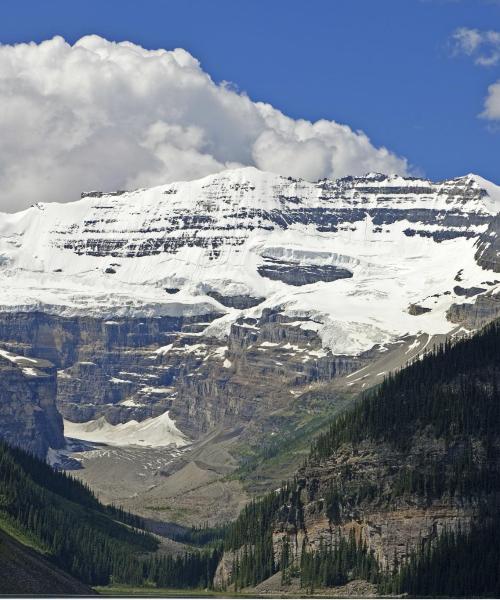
[(386, 67)]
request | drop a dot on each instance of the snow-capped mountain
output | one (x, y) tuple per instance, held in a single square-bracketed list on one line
[(239, 300), (349, 256)]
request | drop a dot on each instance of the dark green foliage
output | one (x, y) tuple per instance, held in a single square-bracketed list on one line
[(251, 536), (333, 501), (251, 533), (451, 395), (258, 517), (456, 474), (80, 537), (335, 565), (191, 570), (56, 481), (201, 536), (464, 565), (453, 391), (68, 487), (451, 398), (84, 537), (254, 563)]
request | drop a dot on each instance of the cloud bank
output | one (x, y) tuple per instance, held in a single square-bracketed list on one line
[(484, 48), (104, 115)]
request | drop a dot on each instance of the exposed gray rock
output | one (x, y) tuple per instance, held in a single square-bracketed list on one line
[(113, 369), (297, 274), (468, 292), (416, 309), (484, 309), (239, 301), (28, 414), (349, 201), (488, 247)]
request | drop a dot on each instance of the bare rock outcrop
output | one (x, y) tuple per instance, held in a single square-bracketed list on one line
[(28, 414)]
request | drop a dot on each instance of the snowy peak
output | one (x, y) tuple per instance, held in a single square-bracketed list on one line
[(352, 254), (259, 189)]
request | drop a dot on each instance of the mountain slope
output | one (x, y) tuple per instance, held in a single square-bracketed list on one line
[(64, 534), (409, 478), (65, 520), (24, 571)]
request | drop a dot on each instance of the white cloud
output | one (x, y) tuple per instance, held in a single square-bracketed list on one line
[(103, 115), (483, 46), (492, 102)]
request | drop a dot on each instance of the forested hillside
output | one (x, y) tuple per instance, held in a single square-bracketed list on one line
[(24, 571), (63, 521)]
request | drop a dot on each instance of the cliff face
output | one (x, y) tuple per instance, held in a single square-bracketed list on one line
[(417, 456), (371, 504), (138, 368), (28, 414)]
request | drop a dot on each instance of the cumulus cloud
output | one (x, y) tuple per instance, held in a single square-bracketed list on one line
[(492, 102), (105, 115), (484, 48)]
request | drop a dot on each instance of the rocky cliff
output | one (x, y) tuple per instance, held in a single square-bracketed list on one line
[(28, 414)]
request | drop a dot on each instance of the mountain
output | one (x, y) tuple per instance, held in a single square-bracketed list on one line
[(227, 312), (192, 333), (244, 238)]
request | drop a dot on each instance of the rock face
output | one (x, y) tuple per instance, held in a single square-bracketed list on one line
[(390, 527), (416, 309), (485, 308), (236, 301), (139, 368), (389, 524), (247, 240), (488, 247), (295, 274), (28, 414)]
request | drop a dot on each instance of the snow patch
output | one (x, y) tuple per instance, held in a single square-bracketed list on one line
[(154, 432)]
